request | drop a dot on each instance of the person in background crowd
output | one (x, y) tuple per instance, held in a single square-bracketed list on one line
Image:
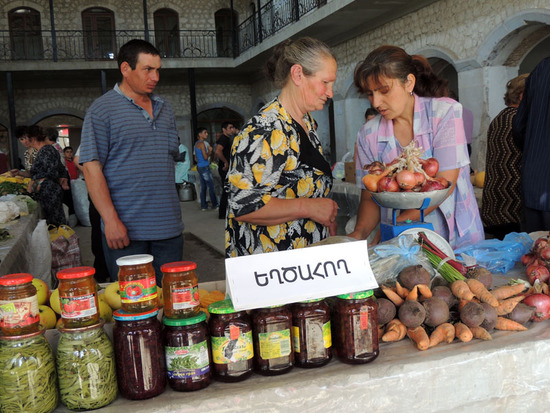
[(128, 150), (203, 152), (531, 129), (278, 179), (223, 147), (69, 162), (402, 90), (22, 133), (183, 164), (51, 137), (501, 208)]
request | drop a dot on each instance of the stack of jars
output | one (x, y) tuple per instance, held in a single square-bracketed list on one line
[(28, 381)]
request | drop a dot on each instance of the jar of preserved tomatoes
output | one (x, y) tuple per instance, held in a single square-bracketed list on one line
[(356, 328), (137, 283), (28, 381), (139, 354), (180, 289), (272, 345), (86, 368), (311, 334), (187, 349), (78, 297), (19, 313), (231, 338)]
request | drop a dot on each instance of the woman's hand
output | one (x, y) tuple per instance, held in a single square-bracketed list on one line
[(323, 211)]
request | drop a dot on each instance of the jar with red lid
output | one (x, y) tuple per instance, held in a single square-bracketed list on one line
[(180, 289), (137, 283), (78, 297), (19, 312)]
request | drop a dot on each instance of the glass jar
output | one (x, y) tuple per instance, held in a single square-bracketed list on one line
[(180, 289), (356, 328), (137, 283), (186, 345), (19, 313), (272, 345), (311, 335), (28, 382), (139, 354), (78, 297), (86, 368), (231, 338)]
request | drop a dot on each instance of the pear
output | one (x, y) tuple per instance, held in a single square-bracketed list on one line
[(112, 296)]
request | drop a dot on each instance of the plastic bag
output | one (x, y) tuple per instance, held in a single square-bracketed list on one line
[(40, 256), (496, 255), (65, 248), (339, 170)]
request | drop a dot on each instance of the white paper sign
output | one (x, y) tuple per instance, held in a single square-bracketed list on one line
[(275, 278)]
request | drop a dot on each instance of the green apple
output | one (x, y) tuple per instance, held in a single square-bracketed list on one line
[(112, 296), (160, 297), (101, 297), (54, 301), (105, 312), (42, 291), (47, 317)]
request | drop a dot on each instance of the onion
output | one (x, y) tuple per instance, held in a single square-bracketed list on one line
[(540, 243), (420, 178), (387, 184), (406, 179), (430, 166), (542, 304), (544, 253), (371, 182), (432, 186), (375, 168), (443, 181), (527, 259), (537, 272)]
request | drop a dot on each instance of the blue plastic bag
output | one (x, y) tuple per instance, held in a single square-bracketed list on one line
[(496, 255)]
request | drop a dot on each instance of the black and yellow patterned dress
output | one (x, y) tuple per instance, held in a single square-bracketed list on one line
[(274, 157)]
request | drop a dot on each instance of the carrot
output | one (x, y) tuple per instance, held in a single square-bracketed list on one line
[(395, 331), (481, 333), (507, 306), (479, 290), (461, 304), (461, 290), (420, 337), (424, 290), (507, 291), (443, 332), (392, 295), (463, 332), (413, 295), (380, 332), (400, 290), (508, 325)]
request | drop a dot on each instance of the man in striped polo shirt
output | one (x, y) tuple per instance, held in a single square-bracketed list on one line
[(128, 150)]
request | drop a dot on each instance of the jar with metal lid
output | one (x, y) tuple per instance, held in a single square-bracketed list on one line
[(86, 368), (137, 283), (273, 352), (19, 313), (28, 381), (139, 354), (356, 327), (180, 289), (311, 334), (78, 297), (187, 349), (231, 338)]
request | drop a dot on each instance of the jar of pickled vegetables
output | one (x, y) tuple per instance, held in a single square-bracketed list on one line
[(356, 328), (186, 345), (78, 297), (19, 313), (86, 368), (231, 338), (137, 283), (311, 334), (28, 381), (139, 354), (273, 352), (180, 289)]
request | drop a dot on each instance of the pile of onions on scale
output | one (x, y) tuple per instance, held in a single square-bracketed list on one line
[(406, 173)]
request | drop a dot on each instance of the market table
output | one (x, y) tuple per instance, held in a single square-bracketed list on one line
[(14, 252)]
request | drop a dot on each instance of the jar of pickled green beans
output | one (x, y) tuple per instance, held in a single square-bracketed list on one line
[(28, 382), (86, 368)]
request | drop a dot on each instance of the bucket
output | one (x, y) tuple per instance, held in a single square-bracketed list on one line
[(186, 192)]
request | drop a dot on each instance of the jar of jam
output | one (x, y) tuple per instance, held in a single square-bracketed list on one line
[(86, 368), (137, 283), (311, 334), (356, 328), (28, 381), (78, 297), (139, 354), (19, 313), (180, 289), (272, 344), (187, 349), (231, 338)]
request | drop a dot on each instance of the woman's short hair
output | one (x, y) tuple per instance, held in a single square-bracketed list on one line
[(514, 89), (35, 132)]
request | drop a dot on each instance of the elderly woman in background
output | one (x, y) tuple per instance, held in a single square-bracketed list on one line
[(403, 92), (278, 180), (501, 205)]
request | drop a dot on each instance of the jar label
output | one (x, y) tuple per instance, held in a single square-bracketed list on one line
[(362, 337), (19, 313), (226, 350), (78, 306), (184, 298), (138, 290), (327, 334), (296, 339), (318, 338), (187, 361), (274, 344), (364, 319)]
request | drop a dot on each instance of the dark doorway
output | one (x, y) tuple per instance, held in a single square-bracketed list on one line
[(99, 33), (25, 34), (167, 32)]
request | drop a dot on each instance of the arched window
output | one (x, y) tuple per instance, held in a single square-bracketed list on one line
[(167, 32), (224, 32), (98, 24), (25, 33)]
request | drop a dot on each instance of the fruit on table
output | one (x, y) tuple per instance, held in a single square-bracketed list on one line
[(105, 311), (47, 317), (112, 296), (54, 301), (42, 290)]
